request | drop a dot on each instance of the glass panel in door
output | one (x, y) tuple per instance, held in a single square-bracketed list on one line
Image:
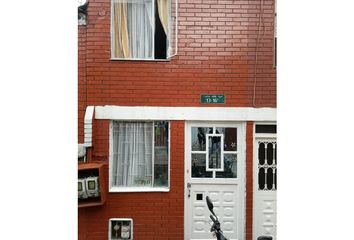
[(214, 152), (199, 166)]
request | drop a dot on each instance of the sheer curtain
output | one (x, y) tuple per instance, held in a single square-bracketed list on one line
[(137, 17), (121, 38), (163, 9), (132, 154)]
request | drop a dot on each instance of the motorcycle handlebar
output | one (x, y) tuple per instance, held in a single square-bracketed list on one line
[(212, 218)]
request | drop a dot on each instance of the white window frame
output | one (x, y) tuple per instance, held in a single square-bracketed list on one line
[(139, 189), (216, 124), (221, 169), (168, 58)]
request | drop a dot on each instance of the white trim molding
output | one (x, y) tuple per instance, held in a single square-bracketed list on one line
[(88, 126), (185, 113)]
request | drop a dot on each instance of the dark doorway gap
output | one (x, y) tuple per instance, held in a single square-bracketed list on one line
[(160, 37)]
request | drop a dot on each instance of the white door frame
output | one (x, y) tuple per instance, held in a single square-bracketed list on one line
[(241, 171)]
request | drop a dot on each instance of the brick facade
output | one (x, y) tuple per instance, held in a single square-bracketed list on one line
[(217, 45), (249, 182), (216, 54)]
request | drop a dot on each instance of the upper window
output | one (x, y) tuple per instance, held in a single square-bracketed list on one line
[(143, 29), (139, 156)]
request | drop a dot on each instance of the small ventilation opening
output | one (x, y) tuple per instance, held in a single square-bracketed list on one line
[(199, 196), (265, 128)]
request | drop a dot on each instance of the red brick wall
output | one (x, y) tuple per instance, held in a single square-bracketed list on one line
[(81, 81), (219, 44), (260, 46), (155, 215), (249, 177), (216, 54)]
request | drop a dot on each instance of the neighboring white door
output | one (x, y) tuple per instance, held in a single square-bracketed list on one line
[(264, 186), (214, 167)]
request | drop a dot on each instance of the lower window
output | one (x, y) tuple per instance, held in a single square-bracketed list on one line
[(140, 155)]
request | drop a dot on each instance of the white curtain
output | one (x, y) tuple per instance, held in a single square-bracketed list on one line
[(140, 28), (132, 156)]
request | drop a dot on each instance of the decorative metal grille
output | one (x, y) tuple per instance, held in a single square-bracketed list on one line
[(267, 166)]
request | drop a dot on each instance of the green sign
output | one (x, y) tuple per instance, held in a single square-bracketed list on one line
[(212, 99)]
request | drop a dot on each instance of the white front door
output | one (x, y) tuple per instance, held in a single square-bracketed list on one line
[(214, 167), (264, 186)]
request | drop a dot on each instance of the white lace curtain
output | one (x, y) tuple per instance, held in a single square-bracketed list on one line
[(132, 153), (133, 25)]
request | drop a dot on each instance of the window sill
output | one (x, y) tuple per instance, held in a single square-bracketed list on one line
[(138, 189), (141, 59)]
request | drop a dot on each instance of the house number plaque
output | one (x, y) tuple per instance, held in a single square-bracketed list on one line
[(212, 98)]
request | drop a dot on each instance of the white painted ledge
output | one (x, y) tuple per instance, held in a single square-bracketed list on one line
[(139, 189), (88, 126), (185, 113), (89, 114)]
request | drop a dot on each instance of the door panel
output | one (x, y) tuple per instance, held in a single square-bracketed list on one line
[(213, 160), (225, 207), (264, 186)]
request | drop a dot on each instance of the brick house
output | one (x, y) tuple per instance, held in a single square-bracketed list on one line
[(177, 101)]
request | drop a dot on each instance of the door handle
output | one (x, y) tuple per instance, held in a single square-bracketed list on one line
[(189, 189)]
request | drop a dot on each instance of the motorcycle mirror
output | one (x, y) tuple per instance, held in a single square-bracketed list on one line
[(209, 203), (210, 206)]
